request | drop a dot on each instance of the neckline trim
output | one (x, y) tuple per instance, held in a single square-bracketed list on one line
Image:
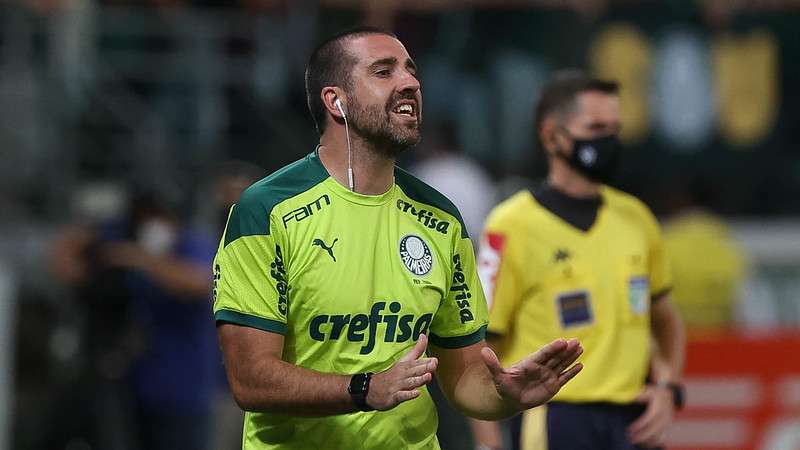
[(347, 194)]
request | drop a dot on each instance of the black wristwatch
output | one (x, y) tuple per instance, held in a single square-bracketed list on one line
[(678, 394), (358, 389)]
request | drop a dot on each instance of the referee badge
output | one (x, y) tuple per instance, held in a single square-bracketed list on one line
[(639, 295), (416, 255), (575, 308)]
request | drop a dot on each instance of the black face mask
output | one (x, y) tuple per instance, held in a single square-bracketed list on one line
[(597, 159)]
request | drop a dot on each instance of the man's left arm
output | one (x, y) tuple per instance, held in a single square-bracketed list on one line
[(469, 372), (474, 381)]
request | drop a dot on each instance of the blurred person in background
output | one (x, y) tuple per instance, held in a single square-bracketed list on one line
[(709, 266), (102, 324), (455, 175), (576, 257), (144, 281), (230, 179), (328, 287)]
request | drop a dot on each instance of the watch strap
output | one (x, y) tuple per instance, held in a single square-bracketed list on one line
[(358, 390), (678, 393)]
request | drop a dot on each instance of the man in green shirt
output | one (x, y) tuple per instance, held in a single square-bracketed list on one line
[(335, 272)]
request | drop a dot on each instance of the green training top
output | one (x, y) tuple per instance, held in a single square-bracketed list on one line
[(351, 281)]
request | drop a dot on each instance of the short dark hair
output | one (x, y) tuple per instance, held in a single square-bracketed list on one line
[(330, 65), (559, 94)]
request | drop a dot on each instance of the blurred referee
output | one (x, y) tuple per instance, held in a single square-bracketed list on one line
[(575, 257)]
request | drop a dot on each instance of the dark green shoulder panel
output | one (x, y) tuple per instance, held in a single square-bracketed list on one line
[(421, 192), (250, 216)]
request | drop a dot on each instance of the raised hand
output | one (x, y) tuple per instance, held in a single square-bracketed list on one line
[(537, 378), (402, 381)]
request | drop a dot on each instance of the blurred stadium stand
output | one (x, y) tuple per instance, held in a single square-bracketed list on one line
[(159, 92)]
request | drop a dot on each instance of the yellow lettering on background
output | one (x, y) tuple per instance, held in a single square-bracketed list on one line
[(747, 86), (622, 53)]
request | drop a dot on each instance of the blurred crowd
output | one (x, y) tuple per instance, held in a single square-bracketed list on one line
[(136, 278), (168, 88)]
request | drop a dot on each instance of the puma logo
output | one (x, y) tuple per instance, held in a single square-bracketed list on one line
[(320, 243)]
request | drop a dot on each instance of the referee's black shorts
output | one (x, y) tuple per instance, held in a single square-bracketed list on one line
[(576, 426)]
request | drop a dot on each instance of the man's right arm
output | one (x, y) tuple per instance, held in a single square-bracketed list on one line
[(251, 301), (261, 381)]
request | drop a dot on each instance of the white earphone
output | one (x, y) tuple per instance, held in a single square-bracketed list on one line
[(338, 104)]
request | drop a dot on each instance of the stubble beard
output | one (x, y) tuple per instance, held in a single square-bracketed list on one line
[(373, 124)]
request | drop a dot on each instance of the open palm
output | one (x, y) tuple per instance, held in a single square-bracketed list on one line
[(537, 378)]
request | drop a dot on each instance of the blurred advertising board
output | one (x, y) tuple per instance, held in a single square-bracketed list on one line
[(743, 393)]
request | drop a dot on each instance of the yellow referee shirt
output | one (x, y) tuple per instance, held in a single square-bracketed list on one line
[(546, 279)]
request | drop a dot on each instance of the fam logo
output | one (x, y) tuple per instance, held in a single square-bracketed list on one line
[(306, 211), (416, 255)]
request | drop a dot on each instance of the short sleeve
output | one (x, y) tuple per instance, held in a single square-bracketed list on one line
[(498, 276), (250, 275), (462, 317), (658, 261)]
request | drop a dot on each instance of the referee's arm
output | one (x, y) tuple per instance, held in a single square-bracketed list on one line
[(669, 337), (669, 347)]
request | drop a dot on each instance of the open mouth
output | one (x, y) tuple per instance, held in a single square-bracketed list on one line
[(406, 108)]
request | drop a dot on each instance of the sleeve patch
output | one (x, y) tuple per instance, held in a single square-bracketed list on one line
[(489, 258)]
